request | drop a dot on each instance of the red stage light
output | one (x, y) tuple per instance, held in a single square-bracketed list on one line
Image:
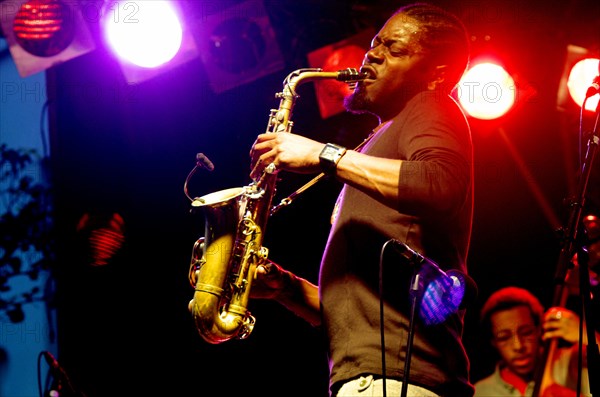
[(43, 27), (487, 91), (581, 67), (102, 237), (580, 78), (43, 33)]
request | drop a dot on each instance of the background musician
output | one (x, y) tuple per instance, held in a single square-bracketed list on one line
[(516, 324)]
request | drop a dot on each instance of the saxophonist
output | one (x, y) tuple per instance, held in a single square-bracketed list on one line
[(411, 182)]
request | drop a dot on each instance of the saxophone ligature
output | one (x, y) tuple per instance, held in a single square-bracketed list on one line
[(225, 259)]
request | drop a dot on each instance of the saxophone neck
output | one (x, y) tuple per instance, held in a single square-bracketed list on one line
[(300, 76), (280, 119)]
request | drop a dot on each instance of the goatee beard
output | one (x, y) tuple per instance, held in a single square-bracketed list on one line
[(357, 101)]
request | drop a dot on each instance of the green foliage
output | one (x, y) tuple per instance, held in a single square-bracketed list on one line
[(26, 243)]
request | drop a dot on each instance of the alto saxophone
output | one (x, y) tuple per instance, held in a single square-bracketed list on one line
[(225, 259)]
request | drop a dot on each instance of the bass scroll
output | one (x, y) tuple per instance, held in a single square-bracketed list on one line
[(225, 259)]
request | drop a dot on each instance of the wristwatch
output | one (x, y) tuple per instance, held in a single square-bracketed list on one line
[(330, 156)]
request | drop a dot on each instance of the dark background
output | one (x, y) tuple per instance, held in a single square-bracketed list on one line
[(124, 327)]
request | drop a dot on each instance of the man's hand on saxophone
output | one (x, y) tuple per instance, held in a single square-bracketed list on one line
[(295, 293), (286, 151), (269, 281)]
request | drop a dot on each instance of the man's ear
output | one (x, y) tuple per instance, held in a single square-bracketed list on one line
[(438, 77)]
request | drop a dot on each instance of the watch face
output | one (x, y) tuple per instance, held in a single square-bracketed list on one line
[(329, 151), (329, 157)]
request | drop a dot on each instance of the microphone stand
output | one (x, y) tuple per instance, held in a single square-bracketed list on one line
[(416, 295), (61, 383), (564, 264), (593, 355), (425, 273)]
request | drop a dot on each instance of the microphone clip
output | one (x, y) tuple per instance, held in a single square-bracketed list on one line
[(594, 88)]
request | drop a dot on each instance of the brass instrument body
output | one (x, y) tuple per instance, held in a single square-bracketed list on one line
[(224, 261)]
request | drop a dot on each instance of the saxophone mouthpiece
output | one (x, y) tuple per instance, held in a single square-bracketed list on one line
[(351, 75)]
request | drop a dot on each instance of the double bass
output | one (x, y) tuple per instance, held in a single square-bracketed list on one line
[(543, 378)]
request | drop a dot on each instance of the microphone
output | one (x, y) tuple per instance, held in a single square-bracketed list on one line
[(417, 259), (203, 161), (594, 88), (52, 362), (444, 292), (58, 373)]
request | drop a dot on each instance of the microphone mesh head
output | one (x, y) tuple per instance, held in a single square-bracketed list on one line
[(442, 297)]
